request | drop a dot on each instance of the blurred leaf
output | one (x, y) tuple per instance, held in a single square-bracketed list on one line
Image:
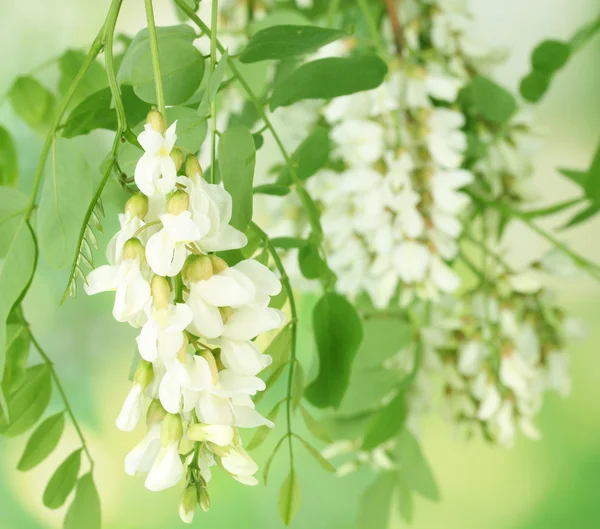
[(263, 432), (272, 189), (551, 210), (329, 78), (310, 156), (42, 442), (492, 101), (65, 195), (182, 65), (405, 502), (324, 463), (312, 212), (387, 422), (579, 177), (310, 262), (214, 82), (592, 182), (84, 512), (284, 41), (414, 467), (289, 498), (94, 79), (534, 85), (297, 385), (375, 504), (338, 333), (237, 157), (550, 56), (191, 128), (288, 242), (33, 103), (346, 427), (314, 426), (9, 167), (579, 218), (27, 404), (62, 481), (17, 353), (279, 348)]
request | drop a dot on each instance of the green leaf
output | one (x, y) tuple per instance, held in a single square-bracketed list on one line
[(42, 442), (311, 155), (85, 511), (414, 467), (375, 504), (214, 82), (288, 242), (263, 431), (27, 404), (324, 463), (272, 189), (191, 128), (592, 182), (279, 348), (237, 157), (298, 383), (182, 65), (270, 382), (492, 101), (282, 42), (33, 103), (329, 78), (62, 481), (550, 56), (65, 196), (534, 85), (551, 210), (578, 177), (405, 502), (314, 426), (9, 167), (338, 332), (289, 498), (310, 262), (582, 216), (17, 352), (387, 422), (94, 79)]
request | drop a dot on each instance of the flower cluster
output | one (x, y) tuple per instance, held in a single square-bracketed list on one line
[(198, 318)]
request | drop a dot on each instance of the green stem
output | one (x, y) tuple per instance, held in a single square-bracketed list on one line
[(160, 96), (213, 104), (372, 26), (63, 396), (109, 37), (285, 281)]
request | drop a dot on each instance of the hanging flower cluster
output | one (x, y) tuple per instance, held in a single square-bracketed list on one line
[(198, 318)]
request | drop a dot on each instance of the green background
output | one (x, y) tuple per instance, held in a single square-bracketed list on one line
[(550, 484)]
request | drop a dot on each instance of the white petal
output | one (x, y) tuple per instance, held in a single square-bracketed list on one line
[(264, 280), (169, 393), (230, 288), (247, 323), (231, 383), (246, 417), (102, 279), (228, 238), (212, 409), (133, 409), (141, 458), (207, 320), (147, 342), (243, 358), (167, 470), (181, 228)]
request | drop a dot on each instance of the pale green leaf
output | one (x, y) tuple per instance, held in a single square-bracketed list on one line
[(288, 242), (17, 352), (416, 473), (405, 502), (263, 431), (62, 481), (387, 422), (214, 82), (93, 80), (297, 385), (84, 511), (191, 128), (9, 167), (289, 498), (314, 426), (376, 502), (272, 189), (33, 103), (42, 442), (323, 463)]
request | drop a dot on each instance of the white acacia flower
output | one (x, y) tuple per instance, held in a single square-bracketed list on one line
[(179, 387), (411, 260), (358, 142), (167, 469), (240, 465), (155, 172), (133, 409), (141, 458), (445, 140)]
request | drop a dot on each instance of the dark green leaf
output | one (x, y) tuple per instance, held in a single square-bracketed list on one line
[(66, 193), (214, 82), (338, 333), (237, 157), (191, 128), (314, 426), (85, 511), (182, 65), (259, 140), (62, 481), (376, 502), (551, 210), (288, 242), (579, 177), (550, 56), (387, 422), (94, 79), (9, 168), (414, 467), (310, 262), (492, 101), (272, 189), (42, 442), (263, 431), (312, 211), (33, 103), (282, 42), (324, 463), (27, 404), (289, 498), (329, 78), (311, 155), (582, 216), (534, 85), (592, 183)]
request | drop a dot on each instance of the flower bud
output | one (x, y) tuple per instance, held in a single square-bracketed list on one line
[(218, 264), (156, 121), (143, 374), (134, 249), (171, 430), (204, 498), (137, 206), (155, 414), (197, 268), (178, 202), (161, 291), (188, 503), (192, 167), (177, 157)]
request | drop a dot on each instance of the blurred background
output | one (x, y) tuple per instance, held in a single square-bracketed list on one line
[(553, 483)]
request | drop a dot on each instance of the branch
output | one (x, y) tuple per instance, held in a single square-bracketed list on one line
[(396, 26)]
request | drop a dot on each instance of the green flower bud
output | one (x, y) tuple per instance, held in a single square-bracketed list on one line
[(204, 498), (171, 430), (197, 268), (134, 249), (178, 202), (218, 264), (143, 374), (137, 206), (156, 120), (155, 414), (161, 292), (177, 157), (188, 503), (193, 169)]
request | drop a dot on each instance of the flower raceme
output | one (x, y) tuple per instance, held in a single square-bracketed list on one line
[(197, 317)]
